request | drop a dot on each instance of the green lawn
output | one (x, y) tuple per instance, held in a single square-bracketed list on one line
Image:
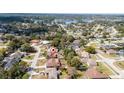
[(29, 57), (103, 69), (41, 62), (39, 77), (93, 45), (26, 76), (38, 70), (63, 75), (94, 57), (2, 44), (120, 64), (80, 74), (109, 56)]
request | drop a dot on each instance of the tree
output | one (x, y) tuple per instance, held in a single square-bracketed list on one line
[(27, 48), (62, 43), (1, 72), (18, 70), (83, 42), (75, 62), (102, 42), (1, 56), (100, 30), (14, 45), (69, 53), (70, 38), (26, 76), (55, 42), (35, 36), (105, 34), (58, 35), (9, 36), (90, 49), (2, 53)]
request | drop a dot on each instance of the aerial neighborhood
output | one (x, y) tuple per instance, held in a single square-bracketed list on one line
[(61, 46)]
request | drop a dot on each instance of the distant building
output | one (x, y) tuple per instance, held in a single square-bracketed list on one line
[(111, 51), (34, 42), (45, 42), (109, 46), (120, 52)]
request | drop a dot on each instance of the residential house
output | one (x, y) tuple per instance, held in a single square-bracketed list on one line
[(44, 42), (120, 52), (109, 46), (111, 51), (53, 64), (34, 42), (12, 59)]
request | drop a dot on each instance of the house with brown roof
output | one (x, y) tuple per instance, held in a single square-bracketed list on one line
[(34, 42), (52, 52), (53, 64)]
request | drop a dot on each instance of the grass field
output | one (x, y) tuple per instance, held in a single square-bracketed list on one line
[(120, 64), (29, 57), (38, 70), (39, 77), (26, 76), (93, 45), (103, 69), (41, 62), (109, 56), (64, 73), (94, 57)]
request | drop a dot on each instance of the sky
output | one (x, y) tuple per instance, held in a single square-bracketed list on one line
[(62, 6)]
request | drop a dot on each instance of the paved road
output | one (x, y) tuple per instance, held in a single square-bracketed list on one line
[(118, 73), (35, 60)]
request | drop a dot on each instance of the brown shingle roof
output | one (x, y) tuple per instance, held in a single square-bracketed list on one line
[(34, 41), (53, 62)]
